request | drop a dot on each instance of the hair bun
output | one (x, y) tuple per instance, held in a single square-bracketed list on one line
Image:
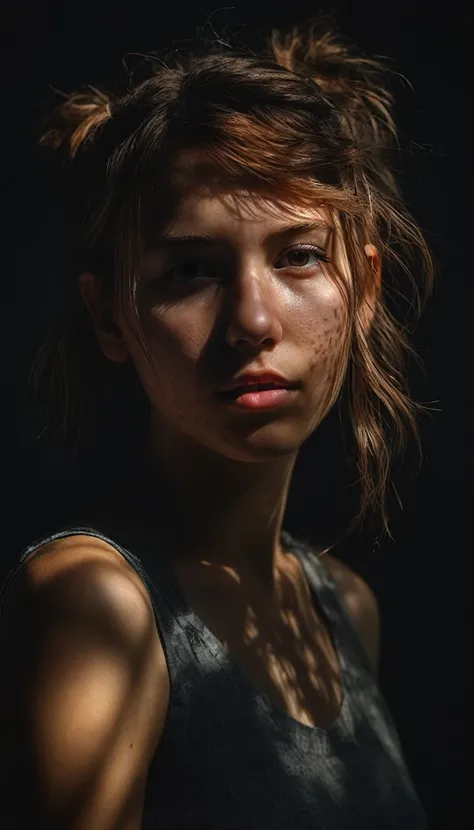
[(76, 120), (353, 82)]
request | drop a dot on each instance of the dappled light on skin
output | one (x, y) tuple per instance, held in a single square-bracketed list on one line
[(285, 651), (303, 677)]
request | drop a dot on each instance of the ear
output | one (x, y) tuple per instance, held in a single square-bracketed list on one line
[(107, 331), (367, 309)]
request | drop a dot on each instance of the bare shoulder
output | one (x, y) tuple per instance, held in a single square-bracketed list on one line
[(80, 556), (361, 604), (85, 574), (83, 658)]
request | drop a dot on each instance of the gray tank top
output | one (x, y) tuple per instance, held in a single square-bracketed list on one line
[(231, 759)]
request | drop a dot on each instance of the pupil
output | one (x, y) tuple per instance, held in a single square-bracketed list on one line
[(299, 254)]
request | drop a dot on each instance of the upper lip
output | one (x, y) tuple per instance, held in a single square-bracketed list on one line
[(253, 378)]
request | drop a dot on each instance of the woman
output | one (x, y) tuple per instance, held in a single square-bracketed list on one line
[(180, 661)]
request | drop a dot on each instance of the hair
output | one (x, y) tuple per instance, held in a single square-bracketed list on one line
[(308, 121)]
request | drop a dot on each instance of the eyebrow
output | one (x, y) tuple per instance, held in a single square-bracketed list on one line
[(171, 240)]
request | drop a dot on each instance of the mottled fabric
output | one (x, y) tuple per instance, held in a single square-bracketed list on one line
[(231, 759)]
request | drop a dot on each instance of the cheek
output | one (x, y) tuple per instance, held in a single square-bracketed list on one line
[(179, 334), (327, 339), (164, 335), (174, 343), (325, 327)]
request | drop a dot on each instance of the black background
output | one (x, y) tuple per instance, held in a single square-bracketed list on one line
[(421, 577)]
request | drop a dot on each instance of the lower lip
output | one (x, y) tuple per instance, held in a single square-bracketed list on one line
[(267, 399)]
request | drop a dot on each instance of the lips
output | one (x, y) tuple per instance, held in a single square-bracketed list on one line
[(237, 391), (271, 380)]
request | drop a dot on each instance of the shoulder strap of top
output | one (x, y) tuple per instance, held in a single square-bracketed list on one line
[(354, 658), (330, 601)]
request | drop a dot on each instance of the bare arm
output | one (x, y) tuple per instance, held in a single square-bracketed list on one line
[(84, 694)]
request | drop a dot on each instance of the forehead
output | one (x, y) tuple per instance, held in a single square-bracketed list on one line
[(240, 211), (201, 194)]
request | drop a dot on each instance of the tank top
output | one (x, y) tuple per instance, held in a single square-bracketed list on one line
[(230, 758)]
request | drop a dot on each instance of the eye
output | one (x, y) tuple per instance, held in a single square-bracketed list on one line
[(195, 269), (301, 252), (189, 270)]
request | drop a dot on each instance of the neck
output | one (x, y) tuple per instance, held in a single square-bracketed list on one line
[(220, 511)]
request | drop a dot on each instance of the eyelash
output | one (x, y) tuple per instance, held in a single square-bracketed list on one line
[(312, 249)]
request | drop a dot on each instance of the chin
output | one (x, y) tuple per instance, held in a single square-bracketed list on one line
[(265, 444)]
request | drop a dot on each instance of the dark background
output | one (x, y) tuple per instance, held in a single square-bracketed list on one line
[(421, 576)]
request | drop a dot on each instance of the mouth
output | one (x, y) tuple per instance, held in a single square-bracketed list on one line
[(258, 396)]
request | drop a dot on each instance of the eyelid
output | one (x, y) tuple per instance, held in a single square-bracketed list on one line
[(310, 247), (307, 246)]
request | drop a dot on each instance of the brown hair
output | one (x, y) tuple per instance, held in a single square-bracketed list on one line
[(308, 121)]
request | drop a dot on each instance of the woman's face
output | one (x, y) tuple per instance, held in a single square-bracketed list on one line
[(243, 290)]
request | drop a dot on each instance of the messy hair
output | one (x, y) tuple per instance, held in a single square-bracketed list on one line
[(307, 121)]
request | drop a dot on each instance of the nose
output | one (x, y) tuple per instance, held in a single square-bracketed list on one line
[(254, 320)]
